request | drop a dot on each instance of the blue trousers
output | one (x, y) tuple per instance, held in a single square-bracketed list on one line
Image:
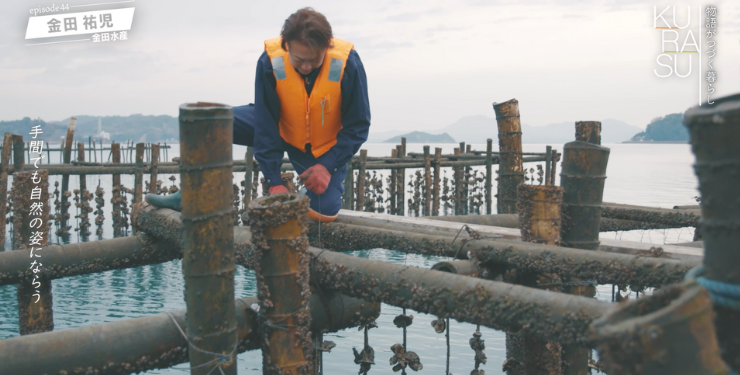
[(328, 203)]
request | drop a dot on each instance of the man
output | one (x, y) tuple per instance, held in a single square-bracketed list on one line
[(311, 101)]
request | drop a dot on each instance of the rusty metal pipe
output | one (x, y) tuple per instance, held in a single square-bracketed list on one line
[(154, 342), (208, 264), (715, 132)]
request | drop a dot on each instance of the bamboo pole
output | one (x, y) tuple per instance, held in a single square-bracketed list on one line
[(248, 184), (458, 187), (139, 173), (393, 186), (715, 132), (489, 171), (427, 182), (154, 157), (154, 342), (347, 203), (30, 234), (18, 159), (361, 182), (208, 266), (7, 144), (401, 181), (278, 225), (437, 180), (511, 172), (548, 166)]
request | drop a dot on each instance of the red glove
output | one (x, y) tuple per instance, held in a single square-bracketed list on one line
[(278, 189), (316, 179)]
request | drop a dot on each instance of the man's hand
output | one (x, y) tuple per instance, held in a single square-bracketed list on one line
[(316, 179), (278, 189)]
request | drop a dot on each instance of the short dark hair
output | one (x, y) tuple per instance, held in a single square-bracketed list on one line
[(309, 27)]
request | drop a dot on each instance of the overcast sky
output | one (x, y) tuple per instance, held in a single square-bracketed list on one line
[(428, 62)]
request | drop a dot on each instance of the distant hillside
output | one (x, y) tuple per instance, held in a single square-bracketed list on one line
[(137, 127), (421, 137), (668, 128), (475, 129), (51, 132)]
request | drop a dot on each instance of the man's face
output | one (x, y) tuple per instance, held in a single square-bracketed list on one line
[(303, 58)]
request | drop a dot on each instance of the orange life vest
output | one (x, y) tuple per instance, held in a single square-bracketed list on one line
[(314, 119)]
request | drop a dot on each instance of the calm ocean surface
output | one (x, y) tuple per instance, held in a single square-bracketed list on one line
[(659, 175)]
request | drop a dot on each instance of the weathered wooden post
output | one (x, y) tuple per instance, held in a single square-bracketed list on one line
[(154, 157), (715, 133), (31, 233), (401, 180), (489, 171), (280, 260), (83, 205), (361, 182), (437, 179), (554, 162), (7, 145), (427, 182), (139, 172), (511, 171), (208, 234)]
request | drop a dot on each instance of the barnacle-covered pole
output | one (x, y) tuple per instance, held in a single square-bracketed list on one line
[(153, 170), (715, 133), (139, 173), (437, 179), (5, 161), (153, 342), (511, 172), (30, 233), (361, 182), (582, 178), (208, 233), (280, 260), (67, 154), (669, 332), (489, 171), (589, 132)]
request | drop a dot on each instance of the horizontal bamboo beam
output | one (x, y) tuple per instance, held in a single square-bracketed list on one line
[(239, 166), (154, 342), (85, 258), (674, 217), (493, 304), (512, 221), (600, 267), (436, 227)]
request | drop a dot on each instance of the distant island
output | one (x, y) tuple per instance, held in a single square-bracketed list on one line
[(421, 137), (668, 129)]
